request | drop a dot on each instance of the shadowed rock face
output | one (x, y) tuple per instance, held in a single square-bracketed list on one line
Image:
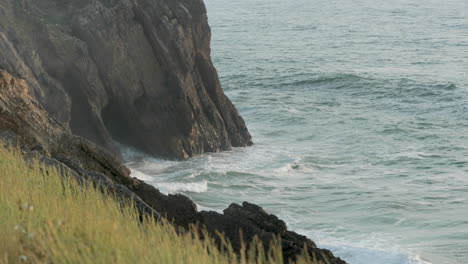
[(134, 71), (24, 122)]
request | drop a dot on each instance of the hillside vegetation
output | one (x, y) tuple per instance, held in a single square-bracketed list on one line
[(49, 218)]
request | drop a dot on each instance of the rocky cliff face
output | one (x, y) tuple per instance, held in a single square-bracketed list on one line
[(23, 122), (137, 72)]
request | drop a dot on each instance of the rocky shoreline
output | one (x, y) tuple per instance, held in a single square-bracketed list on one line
[(24, 123), (77, 76)]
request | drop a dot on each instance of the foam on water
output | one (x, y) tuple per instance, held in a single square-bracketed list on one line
[(140, 175), (366, 256), (355, 255), (176, 187), (170, 187)]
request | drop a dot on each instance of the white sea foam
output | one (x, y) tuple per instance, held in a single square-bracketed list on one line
[(175, 187), (357, 255), (172, 187), (295, 165), (207, 209), (291, 110), (140, 175), (418, 260), (375, 248)]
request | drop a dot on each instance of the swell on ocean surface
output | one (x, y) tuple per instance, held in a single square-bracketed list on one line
[(374, 174), (367, 173), (362, 250)]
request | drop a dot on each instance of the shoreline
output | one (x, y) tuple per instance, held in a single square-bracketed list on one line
[(351, 252), (26, 125)]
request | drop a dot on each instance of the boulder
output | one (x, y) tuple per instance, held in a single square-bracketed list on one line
[(242, 223)]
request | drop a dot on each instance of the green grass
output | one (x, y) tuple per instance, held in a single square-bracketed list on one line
[(48, 218)]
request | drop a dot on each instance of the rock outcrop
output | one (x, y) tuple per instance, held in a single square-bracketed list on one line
[(253, 221), (137, 72), (23, 122)]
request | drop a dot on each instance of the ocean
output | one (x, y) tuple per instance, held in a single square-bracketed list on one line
[(359, 114)]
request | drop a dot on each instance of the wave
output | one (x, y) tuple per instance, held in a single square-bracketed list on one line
[(172, 187), (176, 187), (140, 175), (396, 88), (418, 260), (356, 255), (327, 79), (296, 165)]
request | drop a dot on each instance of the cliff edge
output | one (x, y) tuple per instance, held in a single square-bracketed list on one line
[(25, 124), (137, 72)]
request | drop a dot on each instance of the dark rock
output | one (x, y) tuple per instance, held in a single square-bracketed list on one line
[(177, 208), (257, 216), (122, 193), (71, 168), (92, 157), (23, 120), (21, 114), (10, 139), (137, 72), (39, 148), (243, 223), (235, 229), (87, 175)]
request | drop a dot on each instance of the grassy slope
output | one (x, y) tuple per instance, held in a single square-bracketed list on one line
[(45, 218)]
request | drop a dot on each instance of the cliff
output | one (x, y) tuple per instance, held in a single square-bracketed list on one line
[(137, 72), (25, 124)]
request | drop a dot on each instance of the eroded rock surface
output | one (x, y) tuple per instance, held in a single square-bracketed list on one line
[(134, 71)]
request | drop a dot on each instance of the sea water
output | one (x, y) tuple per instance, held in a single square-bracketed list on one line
[(359, 114)]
